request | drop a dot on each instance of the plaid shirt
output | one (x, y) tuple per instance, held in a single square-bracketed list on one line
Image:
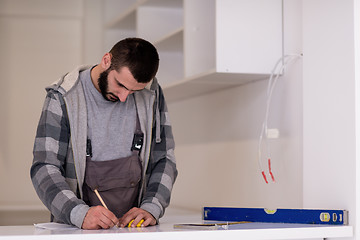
[(59, 150)]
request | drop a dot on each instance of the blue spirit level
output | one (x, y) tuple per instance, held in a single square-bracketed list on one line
[(305, 216)]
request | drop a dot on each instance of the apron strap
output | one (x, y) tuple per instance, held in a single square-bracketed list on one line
[(138, 139), (88, 148)]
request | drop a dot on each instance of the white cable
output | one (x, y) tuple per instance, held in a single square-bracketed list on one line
[(285, 60)]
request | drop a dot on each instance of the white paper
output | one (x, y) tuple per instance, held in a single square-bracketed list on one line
[(55, 226)]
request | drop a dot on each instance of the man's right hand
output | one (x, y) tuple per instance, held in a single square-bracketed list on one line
[(99, 217)]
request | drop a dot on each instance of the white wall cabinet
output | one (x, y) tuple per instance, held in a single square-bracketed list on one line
[(204, 45)]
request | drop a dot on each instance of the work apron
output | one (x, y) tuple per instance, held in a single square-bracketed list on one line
[(117, 181)]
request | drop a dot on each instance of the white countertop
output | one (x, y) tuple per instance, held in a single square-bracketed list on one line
[(165, 230)]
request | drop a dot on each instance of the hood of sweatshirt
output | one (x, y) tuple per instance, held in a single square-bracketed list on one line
[(66, 83)]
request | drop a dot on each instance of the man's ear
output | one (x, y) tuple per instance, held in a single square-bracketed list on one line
[(106, 61)]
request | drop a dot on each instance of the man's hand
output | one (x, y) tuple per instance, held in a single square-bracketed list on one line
[(137, 214), (99, 217)]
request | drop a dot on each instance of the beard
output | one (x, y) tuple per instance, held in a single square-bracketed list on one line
[(103, 86)]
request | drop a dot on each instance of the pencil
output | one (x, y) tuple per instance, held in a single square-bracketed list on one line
[(100, 198), (102, 202)]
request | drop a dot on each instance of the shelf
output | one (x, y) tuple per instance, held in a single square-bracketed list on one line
[(164, 3), (206, 83), (171, 42), (166, 19), (127, 18)]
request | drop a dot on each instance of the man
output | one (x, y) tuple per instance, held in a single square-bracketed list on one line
[(104, 149)]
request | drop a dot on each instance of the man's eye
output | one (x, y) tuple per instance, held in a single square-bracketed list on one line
[(122, 86)]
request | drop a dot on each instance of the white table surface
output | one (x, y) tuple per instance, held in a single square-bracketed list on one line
[(165, 230)]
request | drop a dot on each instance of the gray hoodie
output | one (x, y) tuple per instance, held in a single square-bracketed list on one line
[(58, 167)]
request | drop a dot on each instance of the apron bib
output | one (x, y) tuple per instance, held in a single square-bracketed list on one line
[(117, 181)]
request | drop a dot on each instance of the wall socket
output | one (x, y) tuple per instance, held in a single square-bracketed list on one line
[(273, 133)]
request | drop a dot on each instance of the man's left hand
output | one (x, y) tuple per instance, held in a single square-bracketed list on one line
[(137, 214)]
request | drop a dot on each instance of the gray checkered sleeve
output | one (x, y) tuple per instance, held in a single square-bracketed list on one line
[(161, 172), (49, 163)]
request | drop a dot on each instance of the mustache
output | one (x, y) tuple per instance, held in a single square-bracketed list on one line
[(113, 97)]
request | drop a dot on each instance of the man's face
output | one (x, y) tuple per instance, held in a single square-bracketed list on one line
[(117, 86)]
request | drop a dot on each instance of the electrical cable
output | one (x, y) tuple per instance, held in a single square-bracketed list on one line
[(285, 60)]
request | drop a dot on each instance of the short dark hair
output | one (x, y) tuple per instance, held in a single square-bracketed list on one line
[(139, 55)]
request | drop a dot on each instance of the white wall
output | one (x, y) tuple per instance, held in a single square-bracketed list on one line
[(40, 41), (38, 45), (357, 105), (217, 136), (329, 105)]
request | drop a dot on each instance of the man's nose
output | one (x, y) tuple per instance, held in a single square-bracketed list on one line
[(123, 95)]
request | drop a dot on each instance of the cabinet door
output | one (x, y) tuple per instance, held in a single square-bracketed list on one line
[(232, 36), (248, 35)]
